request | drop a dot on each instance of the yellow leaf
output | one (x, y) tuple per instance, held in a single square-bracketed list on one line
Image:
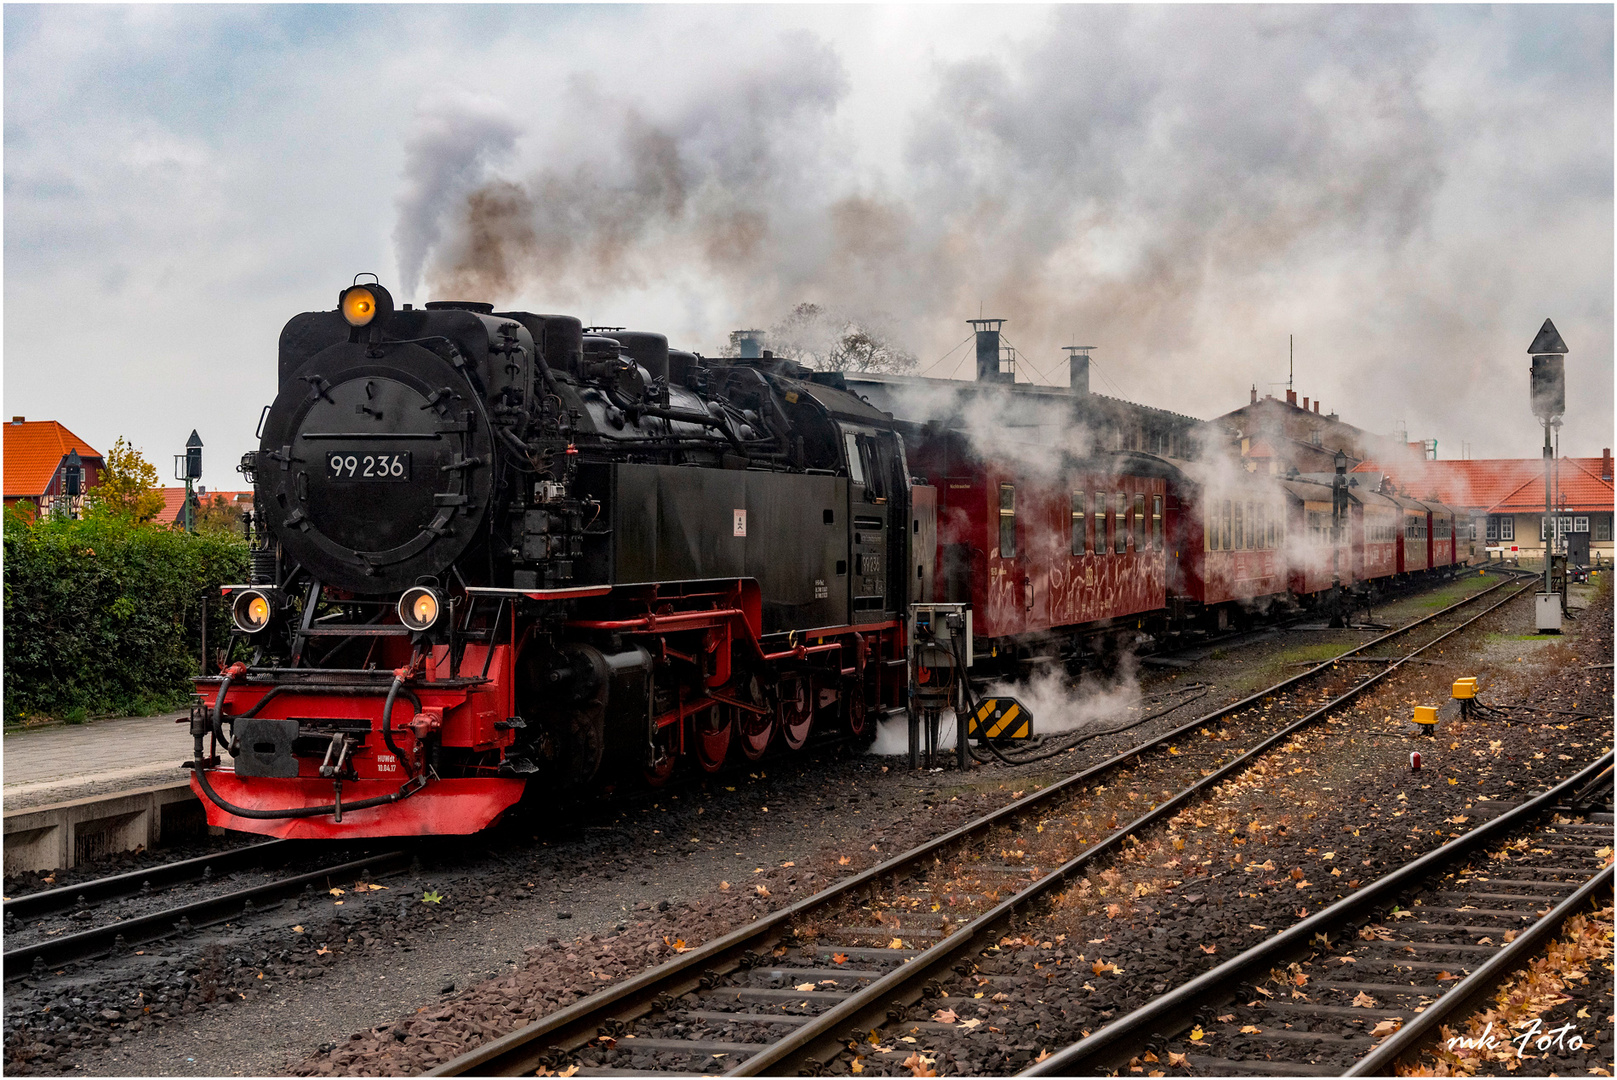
[(804, 986), (762, 891), (895, 944), (839, 958), (856, 1068), (724, 886), (1250, 1030), (1386, 1027), (571, 1070), (1453, 781), (1364, 1001), (297, 929), (844, 861), (336, 892), (1175, 1059), (1197, 1034), (1208, 949)]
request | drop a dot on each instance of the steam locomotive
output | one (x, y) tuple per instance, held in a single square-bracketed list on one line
[(496, 551), (500, 553)]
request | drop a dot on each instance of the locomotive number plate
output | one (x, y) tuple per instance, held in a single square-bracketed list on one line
[(358, 466)]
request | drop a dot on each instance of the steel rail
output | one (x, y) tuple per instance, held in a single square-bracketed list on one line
[(1409, 1039), (161, 924), (521, 1051), (816, 1038), (1173, 1011), (66, 897)]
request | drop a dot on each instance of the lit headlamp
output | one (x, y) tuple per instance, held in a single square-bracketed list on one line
[(252, 609), (365, 305), (420, 607)]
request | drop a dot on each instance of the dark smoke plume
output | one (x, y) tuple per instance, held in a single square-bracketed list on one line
[(1180, 186)]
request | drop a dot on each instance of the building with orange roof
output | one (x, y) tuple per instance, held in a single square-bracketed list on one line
[(1506, 499), (36, 459), (174, 502)]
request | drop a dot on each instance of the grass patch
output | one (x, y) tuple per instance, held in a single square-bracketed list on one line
[(1313, 654)]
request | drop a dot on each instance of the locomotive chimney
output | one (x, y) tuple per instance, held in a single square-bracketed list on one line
[(988, 364), (748, 343), (1078, 369)]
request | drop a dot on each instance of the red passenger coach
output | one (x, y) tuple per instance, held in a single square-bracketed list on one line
[(1375, 531), (1078, 550), (1226, 542), (1441, 522), (1315, 559), (1414, 539)]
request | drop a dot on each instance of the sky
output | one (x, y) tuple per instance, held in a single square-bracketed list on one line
[(1407, 191)]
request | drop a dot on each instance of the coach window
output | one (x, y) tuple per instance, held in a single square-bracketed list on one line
[(1120, 525), (1257, 525), (1156, 523), (1101, 540), (1079, 518), (1240, 528), (1139, 524), (1007, 521), (1224, 526)]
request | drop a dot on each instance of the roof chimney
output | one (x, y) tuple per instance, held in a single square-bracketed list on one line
[(1078, 369), (988, 360), (747, 343), (1291, 397), (1254, 393), (1305, 403), (18, 419), (1605, 464), (1316, 405)]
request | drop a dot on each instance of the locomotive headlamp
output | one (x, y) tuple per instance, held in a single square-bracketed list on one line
[(420, 607), (363, 305), (251, 610)]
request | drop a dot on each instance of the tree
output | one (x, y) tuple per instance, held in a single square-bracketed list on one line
[(129, 486), (820, 338), (217, 514)]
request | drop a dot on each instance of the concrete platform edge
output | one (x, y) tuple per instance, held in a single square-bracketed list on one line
[(62, 835)]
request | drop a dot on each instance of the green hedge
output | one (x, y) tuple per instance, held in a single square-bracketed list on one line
[(104, 615)]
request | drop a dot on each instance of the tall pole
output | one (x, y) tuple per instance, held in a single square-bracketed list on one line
[(1549, 524)]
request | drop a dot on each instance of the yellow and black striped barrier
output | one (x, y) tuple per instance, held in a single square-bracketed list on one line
[(1000, 718)]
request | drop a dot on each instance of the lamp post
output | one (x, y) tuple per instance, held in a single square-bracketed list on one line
[(1339, 511), (188, 467), (73, 481), (1548, 388)]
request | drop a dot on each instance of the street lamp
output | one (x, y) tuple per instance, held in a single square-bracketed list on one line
[(73, 481), (1339, 510), (1548, 389)]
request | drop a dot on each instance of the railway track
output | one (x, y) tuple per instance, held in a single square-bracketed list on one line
[(38, 957), (1394, 948), (791, 990)]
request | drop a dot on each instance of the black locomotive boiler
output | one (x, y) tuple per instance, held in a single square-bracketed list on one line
[(497, 549)]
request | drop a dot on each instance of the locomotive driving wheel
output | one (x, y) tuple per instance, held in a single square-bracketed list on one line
[(713, 727), (854, 712), (796, 710)]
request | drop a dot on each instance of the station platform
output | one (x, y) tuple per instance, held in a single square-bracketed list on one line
[(76, 792), (60, 762)]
